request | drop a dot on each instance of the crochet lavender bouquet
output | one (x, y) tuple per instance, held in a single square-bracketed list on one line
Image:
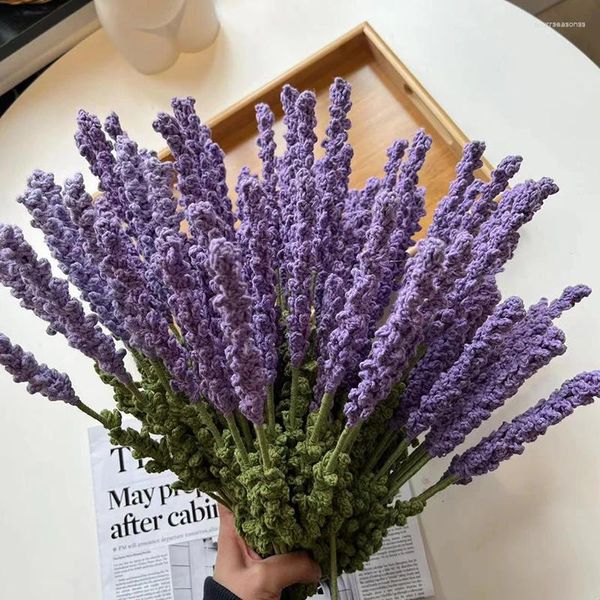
[(298, 358)]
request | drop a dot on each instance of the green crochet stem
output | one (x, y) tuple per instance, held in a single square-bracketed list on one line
[(280, 295), (218, 499), (322, 417), (136, 393), (442, 484), (379, 450), (294, 396), (280, 548), (407, 464), (263, 445), (407, 472), (246, 433), (90, 412), (163, 377), (296, 487), (333, 561), (223, 494), (344, 443), (208, 421), (237, 440), (393, 457), (271, 407)]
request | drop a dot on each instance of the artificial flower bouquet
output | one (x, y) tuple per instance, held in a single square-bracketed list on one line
[(299, 357)]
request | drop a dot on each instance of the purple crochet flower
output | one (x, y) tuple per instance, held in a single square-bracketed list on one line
[(347, 342), (286, 174), (189, 301), (333, 171), (235, 308), (396, 341), (428, 369), (447, 210), (10, 277), (98, 152), (475, 210), (299, 251), (244, 231), (410, 211), (50, 213), (391, 169), (85, 272), (530, 345), (184, 112), (456, 260), (461, 379), (445, 337), (40, 378), (261, 272), (160, 179), (267, 148), (289, 96), (475, 295), (355, 223), (135, 304), (130, 168), (570, 296), (169, 128), (83, 214), (186, 158), (198, 162), (31, 280), (209, 165), (509, 439), (498, 236), (112, 126), (503, 383), (356, 220), (332, 177), (333, 303)]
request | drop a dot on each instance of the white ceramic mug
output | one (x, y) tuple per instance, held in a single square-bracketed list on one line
[(150, 34)]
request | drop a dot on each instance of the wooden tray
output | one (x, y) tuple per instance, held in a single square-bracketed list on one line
[(388, 103)]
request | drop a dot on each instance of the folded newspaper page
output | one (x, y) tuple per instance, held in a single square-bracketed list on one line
[(156, 543)]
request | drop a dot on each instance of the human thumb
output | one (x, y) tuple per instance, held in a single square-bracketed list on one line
[(294, 567)]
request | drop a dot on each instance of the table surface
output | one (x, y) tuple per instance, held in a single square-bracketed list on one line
[(528, 531)]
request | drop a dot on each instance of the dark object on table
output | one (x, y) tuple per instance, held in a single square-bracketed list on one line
[(28, 42), (24, 1), (20, 24)]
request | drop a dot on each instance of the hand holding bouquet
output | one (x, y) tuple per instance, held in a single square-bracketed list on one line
[(298, 358)]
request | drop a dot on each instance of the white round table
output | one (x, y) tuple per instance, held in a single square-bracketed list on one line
[(530, 530)]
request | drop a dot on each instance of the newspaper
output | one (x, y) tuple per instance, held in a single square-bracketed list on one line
[(156, 543)]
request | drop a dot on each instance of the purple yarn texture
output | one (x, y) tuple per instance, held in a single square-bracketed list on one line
[(298, 287), (40, 379), (510, 438)]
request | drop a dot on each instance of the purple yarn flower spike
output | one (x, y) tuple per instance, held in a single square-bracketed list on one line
[(510, 438), (40, 379), (396, 340), (233, 304)]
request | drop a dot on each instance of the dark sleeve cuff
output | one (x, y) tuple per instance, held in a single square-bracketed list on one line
[(215, 591)]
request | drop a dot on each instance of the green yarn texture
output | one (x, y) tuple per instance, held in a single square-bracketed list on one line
[(310, 486)]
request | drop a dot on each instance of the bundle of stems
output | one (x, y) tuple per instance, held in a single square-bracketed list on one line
[(298, 358)]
